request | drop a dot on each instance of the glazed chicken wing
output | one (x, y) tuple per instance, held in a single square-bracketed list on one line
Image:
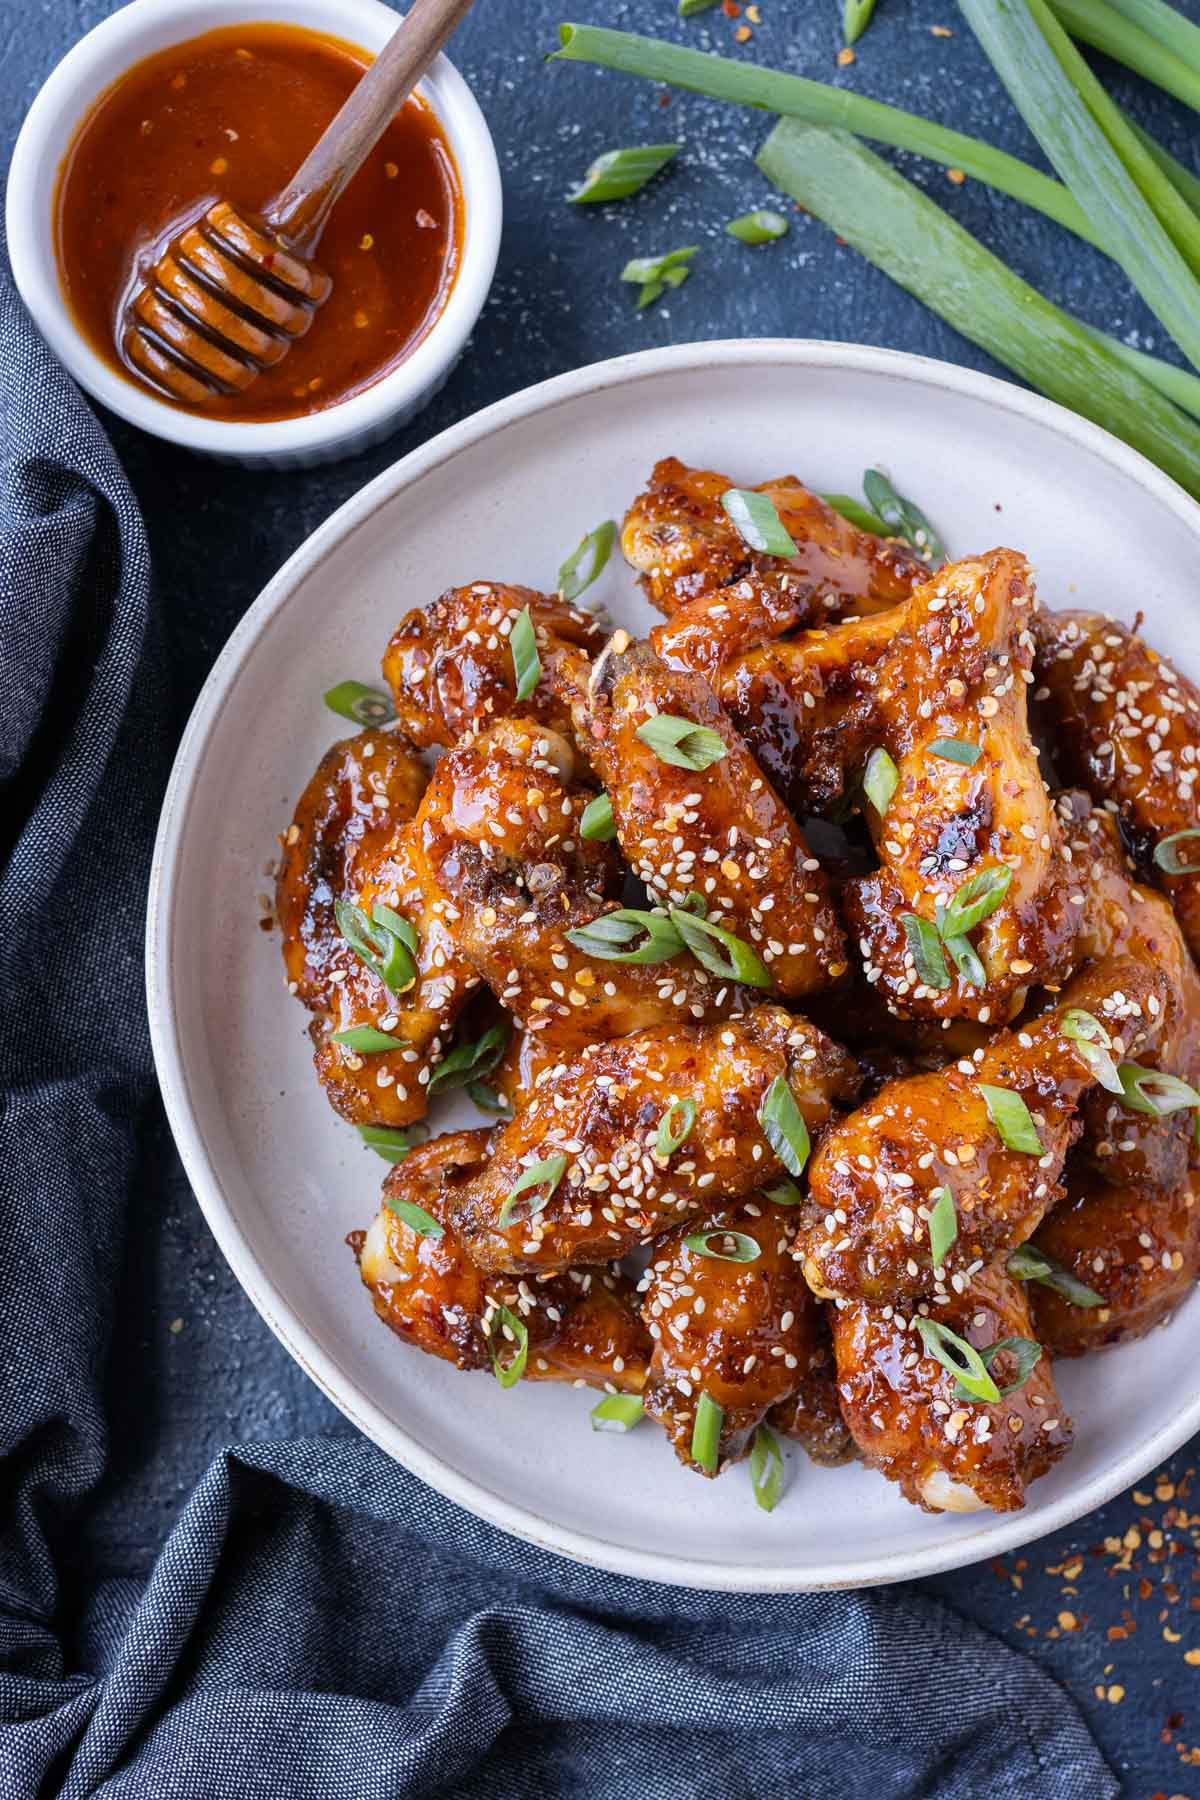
[(946, 1452), (812, 1416), (577, 1176)]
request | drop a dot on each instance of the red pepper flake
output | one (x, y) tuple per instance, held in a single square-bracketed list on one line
[(730, 8), (743, 34), (845, 56)]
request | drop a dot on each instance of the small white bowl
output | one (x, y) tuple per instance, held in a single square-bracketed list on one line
[(99, 59)]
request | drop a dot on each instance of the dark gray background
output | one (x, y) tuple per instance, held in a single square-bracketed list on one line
[(194, 1364)]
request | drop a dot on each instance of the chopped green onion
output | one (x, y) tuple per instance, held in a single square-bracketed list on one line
[(1151, 38), (1028, 1263), (367, 1040), (880, 779), (688, 7), (783, 1126), (586, 560), (758, 522), (1028, 1353), (856, 16), (694, 902), (943, 1226), (966, 961), (724, 1246), (903, 517), (925, 948), (766, 1469), (596, 822), (655, 274), (617, 1412), (675, 1127), (619, 173), (487, 1100), (365, 705), (389, 1141), (762, 226), (415, 1217), (706, 1433), (1152, 1091), (1167, 857), (393, 921), (607, 936), (517, 1332), (527, 664), (1094, 1044), (856, 512), (976, 900), (706, 941), (783, 1192), (1012, 1119), (956, 750), (545, 1175), (681, 742), (471, 1061), (379, 942), (960, 1358)]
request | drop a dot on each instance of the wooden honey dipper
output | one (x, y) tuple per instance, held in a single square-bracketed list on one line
[(232, 292)]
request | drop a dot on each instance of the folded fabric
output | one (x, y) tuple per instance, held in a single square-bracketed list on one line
[(318, 1622)]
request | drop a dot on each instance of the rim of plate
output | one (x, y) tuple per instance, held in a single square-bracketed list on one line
[(1002, 1531)]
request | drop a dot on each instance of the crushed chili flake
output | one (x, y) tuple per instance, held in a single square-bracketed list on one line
[(743, 34), (845, 56)]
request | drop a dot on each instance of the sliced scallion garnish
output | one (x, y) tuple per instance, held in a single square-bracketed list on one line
[(976, 899), (617, 1412), (365, 705), (856, 513), (762, 226), (675, 1126), (545, 1175), (681, 742), (609, 936), (586, 560), (488, 1100), (956, 750), (758, 522), (783, 1126), (1028, 1263), (367, 1040), (925, 947), (1028, 1353), (596, 822), (1094, 1044), (505, 1325), (1012, 1119), (903, 517), (766, 1469), (415, 1217), (856, 16), (389, 1141), (943, 1225), (689, 7), (655, 274), (619, 173), (1167, 857), (471, 1061), (706, 1433), (960, 1358), (966, 961), (384, 942), (783, 1192), (880, 778), (706, 942), (1153, 1091), (724, 1246), (527, 664)]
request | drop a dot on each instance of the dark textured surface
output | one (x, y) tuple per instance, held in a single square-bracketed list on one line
[(196, 1365)]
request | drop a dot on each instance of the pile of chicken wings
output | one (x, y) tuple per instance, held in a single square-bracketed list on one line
[(843, 1076)]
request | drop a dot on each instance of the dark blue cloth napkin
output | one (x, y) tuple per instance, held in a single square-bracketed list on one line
[(319, 1623)]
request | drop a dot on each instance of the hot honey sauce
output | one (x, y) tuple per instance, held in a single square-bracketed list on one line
[(232, 115)]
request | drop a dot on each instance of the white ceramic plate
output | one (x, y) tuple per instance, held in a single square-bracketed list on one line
[(281, 1180)]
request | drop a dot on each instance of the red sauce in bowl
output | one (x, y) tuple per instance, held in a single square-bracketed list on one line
[(232, 115)]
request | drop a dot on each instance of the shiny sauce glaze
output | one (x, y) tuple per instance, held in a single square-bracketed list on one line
[(232, 115)]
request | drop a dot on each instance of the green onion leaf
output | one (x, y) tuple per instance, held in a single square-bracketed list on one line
[(762, 226), (365, 705), (706, 1433), (766, 1469), (617, 1412), (1148, 36), (597, 823), (925, 947), (1028, 1353), (471, 1061), (654, 274), (943, 1226), (607, 936), (903, 517), (394, 922), (960, 1358), (586, 560), (966, 961), (757, 521), (783, 1126), (783, 1192), (1012, 1119), (390, 1142), (956, 750), (1094, 1044), (706, 941), (1028, 1263), (688, 7), (619, 173), (695, 903), (367, 1040), (415, 1217), (880, 778), (681, 742), (856, 16), (546, 1175), (1152, 1091), (383, 942), (488, 1100), (527, 664), (724, 1246), (675, 1127), (976, 900), (1167, 857), (856, 512), (505, 1327)]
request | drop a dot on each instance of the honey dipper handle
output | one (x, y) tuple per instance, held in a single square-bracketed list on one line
[(297, 215)]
